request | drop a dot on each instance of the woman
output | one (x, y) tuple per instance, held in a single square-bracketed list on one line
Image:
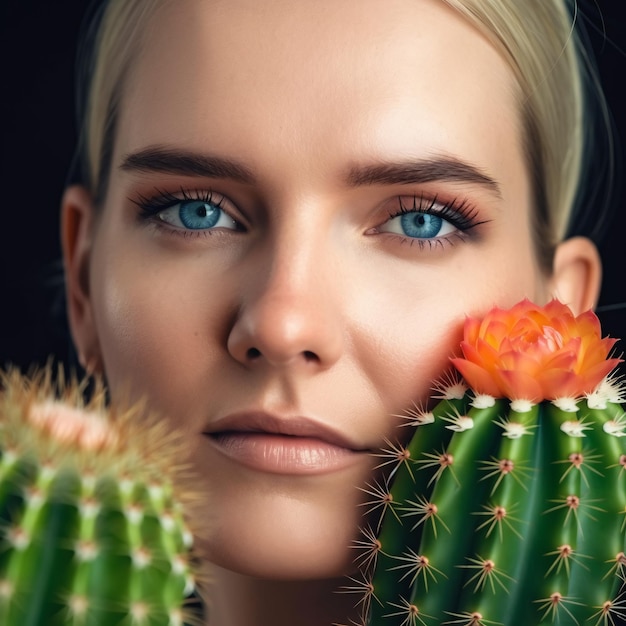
[(288, 209)]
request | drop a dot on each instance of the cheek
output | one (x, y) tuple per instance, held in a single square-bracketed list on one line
[(156, 321), (412, 350), (412, 326)]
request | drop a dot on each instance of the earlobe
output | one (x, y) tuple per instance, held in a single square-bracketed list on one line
[(77, 223), (577, 274)]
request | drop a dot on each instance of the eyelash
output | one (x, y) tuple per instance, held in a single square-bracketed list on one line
[(151, 206), (460, 213)]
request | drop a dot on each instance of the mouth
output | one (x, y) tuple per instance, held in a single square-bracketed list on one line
[(290, 445)]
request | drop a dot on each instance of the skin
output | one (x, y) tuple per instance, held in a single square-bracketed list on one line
[(310, 307)]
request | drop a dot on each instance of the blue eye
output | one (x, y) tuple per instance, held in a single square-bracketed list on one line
[(197, 215), (418, 225)]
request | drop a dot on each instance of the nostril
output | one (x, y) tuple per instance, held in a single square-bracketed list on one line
[(253, 353)]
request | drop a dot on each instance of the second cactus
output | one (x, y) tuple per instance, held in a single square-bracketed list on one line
[(91, 525)]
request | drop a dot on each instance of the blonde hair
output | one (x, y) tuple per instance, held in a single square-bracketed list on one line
[(539, 41), (117, 30), (537, 37)]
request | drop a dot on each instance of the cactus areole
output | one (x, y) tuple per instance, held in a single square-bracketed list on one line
[(91, 526), (508, 504)]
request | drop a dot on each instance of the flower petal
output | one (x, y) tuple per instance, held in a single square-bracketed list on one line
[(535, 352), (518, 385), (477, 378)]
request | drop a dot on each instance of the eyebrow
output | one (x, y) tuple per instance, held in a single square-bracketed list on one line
[(174, 161), (415, 171), (419, 171)]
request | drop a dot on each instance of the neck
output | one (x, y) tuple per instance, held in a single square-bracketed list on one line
[(235, 599)]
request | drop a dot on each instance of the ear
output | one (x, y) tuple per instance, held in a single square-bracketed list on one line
[(77, 229), (577, 274)]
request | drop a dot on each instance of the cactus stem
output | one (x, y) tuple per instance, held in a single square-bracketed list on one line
[(426, 510), (80, 479), (556, 603), (546, 543), (486, 572), (411, 613), (416, 564)]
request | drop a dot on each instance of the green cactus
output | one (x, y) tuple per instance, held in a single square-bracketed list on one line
[(91, 525), (501, 513)]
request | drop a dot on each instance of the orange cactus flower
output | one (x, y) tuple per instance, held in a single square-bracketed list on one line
[(535, 353)]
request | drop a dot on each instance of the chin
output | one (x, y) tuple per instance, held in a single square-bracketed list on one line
[(288, 562), (284, 535), (286, 547)]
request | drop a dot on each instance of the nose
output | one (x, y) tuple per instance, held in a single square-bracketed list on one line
[(287, 316)]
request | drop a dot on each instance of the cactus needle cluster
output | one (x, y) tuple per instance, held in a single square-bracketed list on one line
[(91, 525)]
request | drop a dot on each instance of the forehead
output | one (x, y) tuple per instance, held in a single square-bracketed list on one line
[(300, 79)]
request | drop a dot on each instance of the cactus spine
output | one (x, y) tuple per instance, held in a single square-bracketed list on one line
[(505, 516), (91, 526)]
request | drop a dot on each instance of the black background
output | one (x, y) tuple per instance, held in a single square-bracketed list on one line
[(38, 41)]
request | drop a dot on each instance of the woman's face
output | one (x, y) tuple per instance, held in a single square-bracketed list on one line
[(305, 201)]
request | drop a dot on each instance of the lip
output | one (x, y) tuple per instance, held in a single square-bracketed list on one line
[(283, 445)]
